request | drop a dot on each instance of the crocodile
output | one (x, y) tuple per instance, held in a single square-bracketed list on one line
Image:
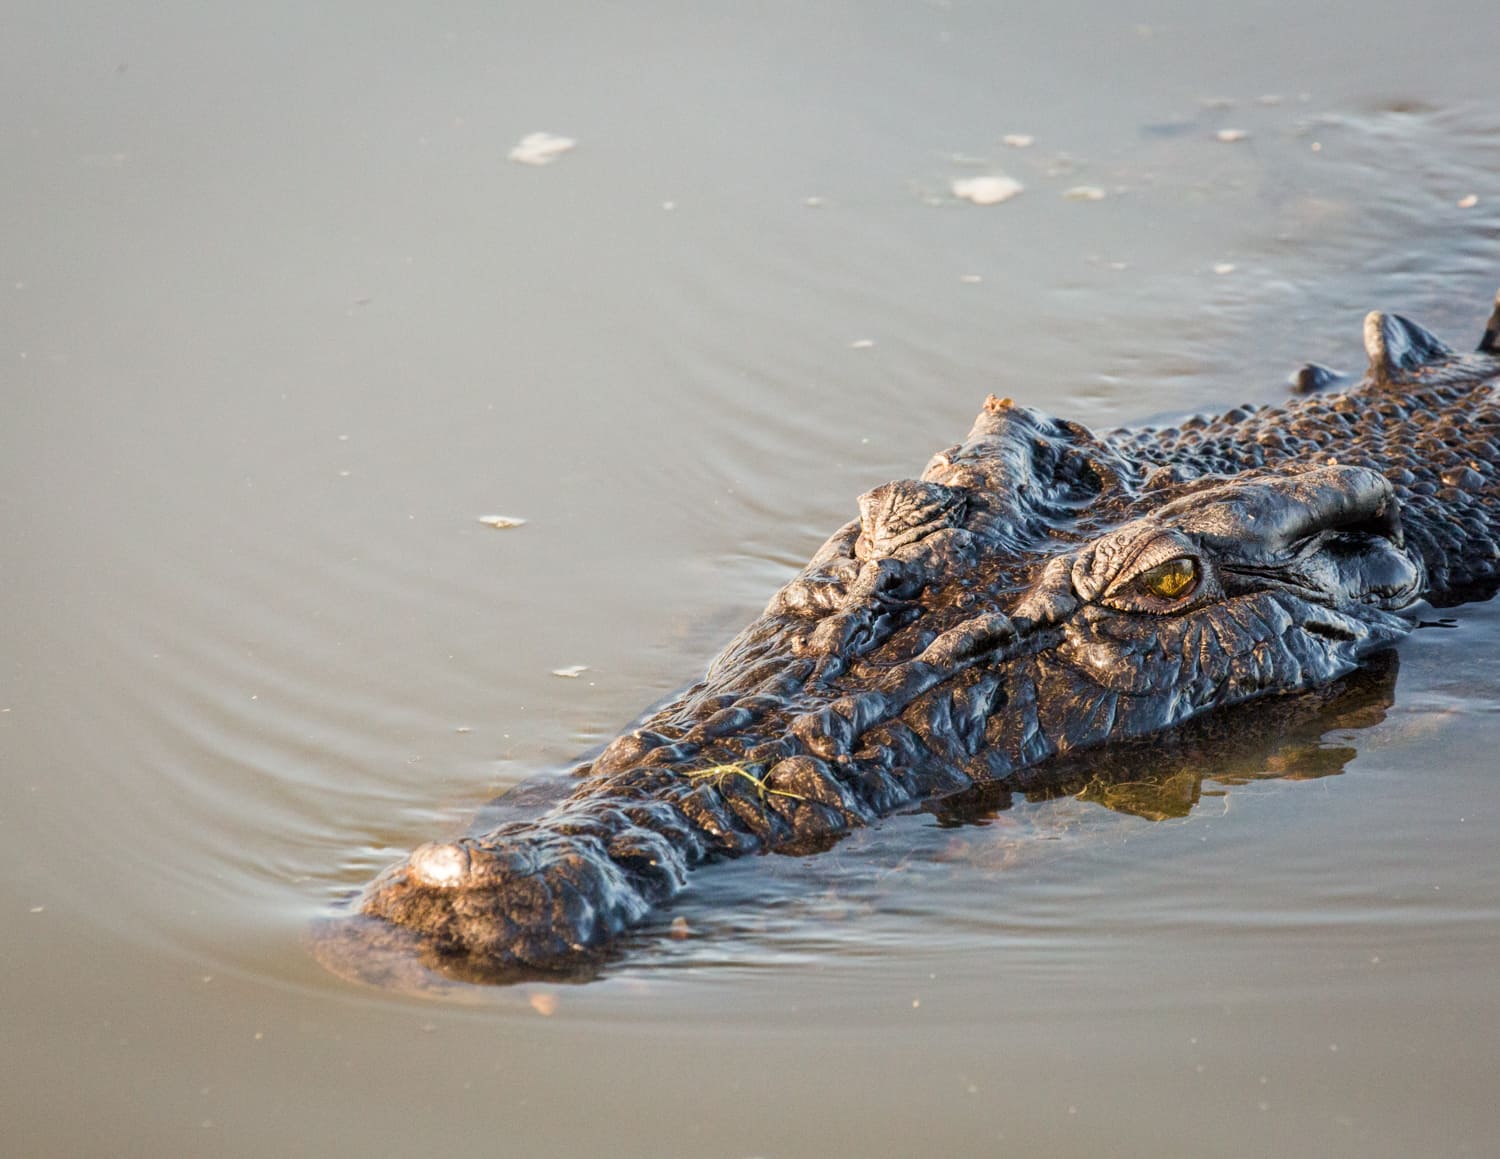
[(1038, 591)]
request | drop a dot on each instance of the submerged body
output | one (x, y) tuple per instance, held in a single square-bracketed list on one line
[(1040, 589)]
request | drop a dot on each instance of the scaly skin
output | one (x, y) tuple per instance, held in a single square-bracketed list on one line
[(1004, 609)]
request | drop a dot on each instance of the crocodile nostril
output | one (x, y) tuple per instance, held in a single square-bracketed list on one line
[(439, 865)]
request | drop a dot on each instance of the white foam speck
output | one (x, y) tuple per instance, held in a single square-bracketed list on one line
[(541, 148), (986, 190)]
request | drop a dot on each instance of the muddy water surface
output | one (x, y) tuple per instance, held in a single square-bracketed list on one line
[(279, 321)]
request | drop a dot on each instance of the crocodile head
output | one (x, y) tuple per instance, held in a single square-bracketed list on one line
[(1005, 620), (1039, 590)]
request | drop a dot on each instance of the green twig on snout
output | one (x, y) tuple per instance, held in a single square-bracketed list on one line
[(717, 773)]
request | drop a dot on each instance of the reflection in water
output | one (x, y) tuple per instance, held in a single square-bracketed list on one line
[(1298, 737), (1162, 776)]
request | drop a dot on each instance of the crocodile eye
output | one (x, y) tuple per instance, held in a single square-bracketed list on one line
[(1176, 579)]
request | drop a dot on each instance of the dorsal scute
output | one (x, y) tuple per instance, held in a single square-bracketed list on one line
[(1314, 377), (1399, 348), (1490, 342)]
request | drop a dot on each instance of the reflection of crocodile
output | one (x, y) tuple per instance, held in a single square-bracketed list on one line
[(1039, 590), (1163, 776)]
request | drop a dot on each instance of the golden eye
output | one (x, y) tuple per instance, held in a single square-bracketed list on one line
[(1174, 580)]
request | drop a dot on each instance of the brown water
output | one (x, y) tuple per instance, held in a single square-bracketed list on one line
[(279, 321)]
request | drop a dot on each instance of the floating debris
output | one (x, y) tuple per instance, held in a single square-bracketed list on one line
[(1229, 136), (986, 190), (1019, 140), (502, 522), (970, 279), (862, 344), (1224, 268), (717, 774), (572, 672), (541, 148), (1468, 202), (814, 202), (1084, 193)]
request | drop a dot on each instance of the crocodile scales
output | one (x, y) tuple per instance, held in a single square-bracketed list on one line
[(1040, 589)]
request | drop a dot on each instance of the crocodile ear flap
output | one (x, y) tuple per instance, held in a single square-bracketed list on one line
[(1397, 347), (1490, 343)]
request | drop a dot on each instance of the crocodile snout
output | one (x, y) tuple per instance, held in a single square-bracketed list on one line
[(439, 865)]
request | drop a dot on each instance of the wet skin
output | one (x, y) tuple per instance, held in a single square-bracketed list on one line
[(1040, 590)]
